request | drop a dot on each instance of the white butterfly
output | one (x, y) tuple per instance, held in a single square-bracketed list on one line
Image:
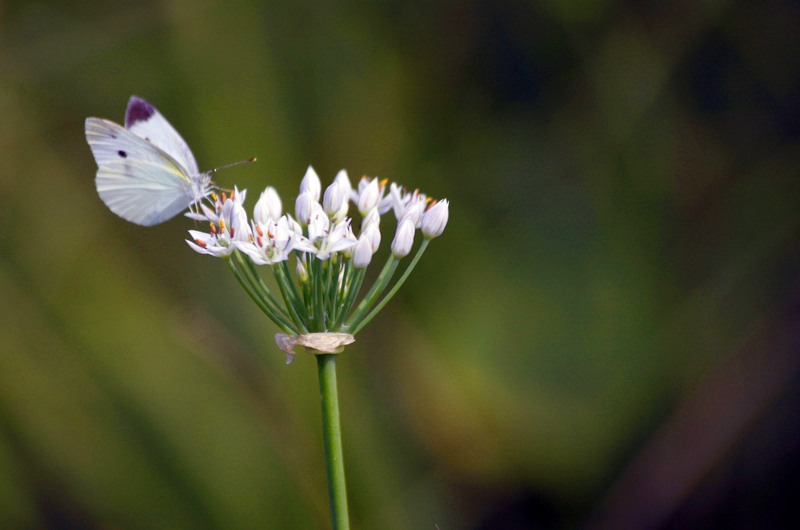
[(146, 173)]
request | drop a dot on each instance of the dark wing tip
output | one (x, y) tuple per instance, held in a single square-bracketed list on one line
[(138, 110)]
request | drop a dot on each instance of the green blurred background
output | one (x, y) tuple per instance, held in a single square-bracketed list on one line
[(605, 336)]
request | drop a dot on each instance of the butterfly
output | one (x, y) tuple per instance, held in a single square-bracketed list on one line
[(146, 173)]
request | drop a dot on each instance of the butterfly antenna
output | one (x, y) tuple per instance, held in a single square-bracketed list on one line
[(231, 165)]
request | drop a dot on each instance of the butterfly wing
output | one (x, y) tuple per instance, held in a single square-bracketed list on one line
[(135, 179), (140, 192), (143, 120)]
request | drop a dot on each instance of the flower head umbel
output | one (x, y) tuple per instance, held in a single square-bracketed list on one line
[(330, 259)]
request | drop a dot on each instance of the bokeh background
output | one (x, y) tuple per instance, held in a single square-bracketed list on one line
[(606, 336)]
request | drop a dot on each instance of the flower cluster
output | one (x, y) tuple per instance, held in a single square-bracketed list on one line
[(331, 259)]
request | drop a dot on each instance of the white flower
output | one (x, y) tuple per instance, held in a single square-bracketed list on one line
[(368, 195), (373, 235), (397, 200), (361, 185), (318, 223), (403, 239), (274, 242), (208, 244), (233, 221), (372, 218), (414, 210), (336, 200), (362, 253), (238, 196), (349, 236), (344, 181), (211, 214), (294, 225), (328, 240), (304, 206), (435, 219), (311, 183), (230, 232), (268, 206)]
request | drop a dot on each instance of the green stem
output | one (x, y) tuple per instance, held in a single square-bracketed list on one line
[(332, 434), (389, 296)]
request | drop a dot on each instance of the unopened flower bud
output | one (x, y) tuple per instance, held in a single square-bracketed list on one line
[(435, 219), (234, 221), (350, 236), (368, 197), (403, 239), (362, 253), (318, 222), (372, 218), (268, 206), (302, 271), (336, 200), (303, 207), (414, 212), (344, 182), (311, 183), (373, 235)]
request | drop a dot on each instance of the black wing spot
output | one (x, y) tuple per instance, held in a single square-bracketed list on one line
[(123, 154), (138, 110)]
